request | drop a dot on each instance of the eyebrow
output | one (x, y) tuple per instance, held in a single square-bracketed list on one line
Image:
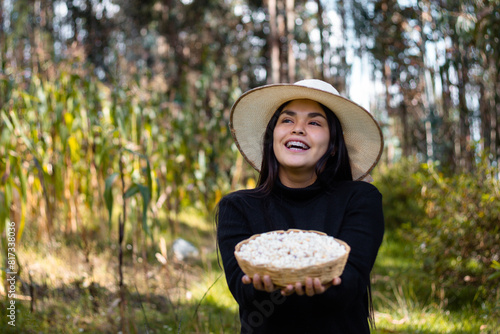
[(309, 115)]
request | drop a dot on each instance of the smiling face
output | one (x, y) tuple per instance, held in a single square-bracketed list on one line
[(301, 137)]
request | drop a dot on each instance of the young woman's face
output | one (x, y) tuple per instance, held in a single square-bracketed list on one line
[(301, 137)]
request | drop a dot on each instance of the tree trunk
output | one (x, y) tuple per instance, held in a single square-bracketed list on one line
[(342, 67), (386, 73), (447, 129), (290, 27), (427, 90), (486, 110), (495, 124), (405, 131), (464, 138), (321, 28), (273, 43), (282, 33)]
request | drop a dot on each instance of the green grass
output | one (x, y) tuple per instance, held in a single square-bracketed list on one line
[(407, 302), (75, 293)]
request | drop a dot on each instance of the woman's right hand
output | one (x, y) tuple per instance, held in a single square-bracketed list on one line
[(263, 283)]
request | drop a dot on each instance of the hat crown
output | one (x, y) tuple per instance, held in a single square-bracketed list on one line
[(317, 84)]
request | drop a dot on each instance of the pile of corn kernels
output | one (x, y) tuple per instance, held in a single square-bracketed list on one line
[(291, 249)]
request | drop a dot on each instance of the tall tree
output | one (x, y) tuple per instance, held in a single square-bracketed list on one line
[(274, 42), (434, 58), (321, 27), (290, 27)]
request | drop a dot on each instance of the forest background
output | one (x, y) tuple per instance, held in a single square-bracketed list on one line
[(114, 143)]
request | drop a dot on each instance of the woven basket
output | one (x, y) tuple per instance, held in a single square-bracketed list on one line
[(282, 277)]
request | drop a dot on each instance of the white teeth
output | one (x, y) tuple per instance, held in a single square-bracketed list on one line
[(297, 144)]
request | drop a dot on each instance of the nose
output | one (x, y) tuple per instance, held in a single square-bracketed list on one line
[(298, 129)]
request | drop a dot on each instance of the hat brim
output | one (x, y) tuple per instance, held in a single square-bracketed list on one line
[(251, 113)]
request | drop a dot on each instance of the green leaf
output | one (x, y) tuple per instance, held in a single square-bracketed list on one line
[(495, 265), (108, 195), (146, 198), (149, 177), (7, 122), (3, 212), (24, 138), (134, 189), (23, 192), (23, 182)]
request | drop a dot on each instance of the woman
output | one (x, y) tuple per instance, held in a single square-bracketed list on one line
[(312, 147)]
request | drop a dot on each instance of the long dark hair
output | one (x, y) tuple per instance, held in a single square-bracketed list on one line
[(332, 166)]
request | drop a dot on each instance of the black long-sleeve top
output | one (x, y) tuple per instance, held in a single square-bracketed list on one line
[(347, 210)]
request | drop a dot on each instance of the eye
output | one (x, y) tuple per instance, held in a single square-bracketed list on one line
[(286, 120), (315, 123)]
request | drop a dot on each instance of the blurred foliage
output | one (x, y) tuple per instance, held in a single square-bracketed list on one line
[(62, 138), (400, 192), (452, 222), (460, 239)]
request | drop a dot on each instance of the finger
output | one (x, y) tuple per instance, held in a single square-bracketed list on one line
[(309, 287), (336, 281), (298, 289), (288, 290), (246, 280), (257, 282), (318, 287), (268, 283)]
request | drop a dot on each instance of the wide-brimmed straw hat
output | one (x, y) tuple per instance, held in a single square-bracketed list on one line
[(251, 113)]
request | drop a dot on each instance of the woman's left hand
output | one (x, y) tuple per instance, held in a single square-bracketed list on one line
[(310, 288)]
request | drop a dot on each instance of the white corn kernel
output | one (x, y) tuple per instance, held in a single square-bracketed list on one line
[(295, 249)]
